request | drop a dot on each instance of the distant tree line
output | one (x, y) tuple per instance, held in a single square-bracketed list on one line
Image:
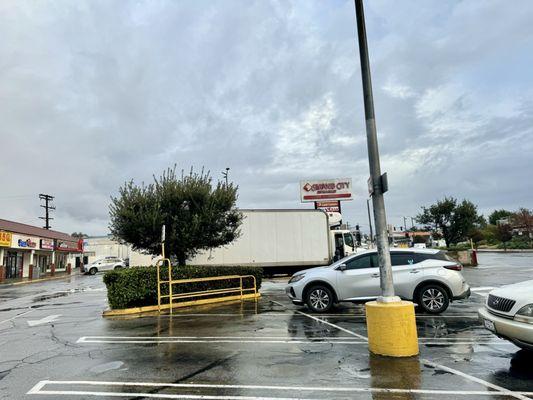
[(458, 222)]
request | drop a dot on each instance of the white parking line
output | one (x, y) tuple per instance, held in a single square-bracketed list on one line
[(219, 339), (38, 389), (482, 288), (501, 389), (268, 314), (439, 366), (278, 339), (324, 322), (16, 316)]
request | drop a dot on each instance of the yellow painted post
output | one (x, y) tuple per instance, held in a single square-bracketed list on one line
[(170, 299), (158, 288), (392, 328)]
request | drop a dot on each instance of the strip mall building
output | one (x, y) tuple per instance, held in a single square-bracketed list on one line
[(22, 246)]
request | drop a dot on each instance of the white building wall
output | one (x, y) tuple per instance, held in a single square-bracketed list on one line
[(98, 247)]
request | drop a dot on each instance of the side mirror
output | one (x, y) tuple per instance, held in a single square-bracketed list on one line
[(342, 267)]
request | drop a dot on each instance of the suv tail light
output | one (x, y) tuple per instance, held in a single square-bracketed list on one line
[(456, 267)]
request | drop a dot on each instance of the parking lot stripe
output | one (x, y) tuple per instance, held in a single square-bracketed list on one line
[(438, 366), (324, 322), (501, 389), (269, 314), (276, 339), (38, 389), (16, 316)]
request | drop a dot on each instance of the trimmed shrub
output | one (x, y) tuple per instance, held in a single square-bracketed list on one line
[(137, 286), (516, 243)]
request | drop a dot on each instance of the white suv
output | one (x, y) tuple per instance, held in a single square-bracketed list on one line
[(428, 277), (104, 264), (508, 313)]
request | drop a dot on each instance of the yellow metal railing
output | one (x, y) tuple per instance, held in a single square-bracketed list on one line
[(239, 291)]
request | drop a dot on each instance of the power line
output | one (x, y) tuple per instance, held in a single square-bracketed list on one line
[(47, 207)]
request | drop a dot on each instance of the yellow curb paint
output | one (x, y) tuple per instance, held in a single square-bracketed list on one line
[(41, 280), (392, 328), (140, 310)]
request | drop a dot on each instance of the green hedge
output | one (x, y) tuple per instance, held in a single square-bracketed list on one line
[(137, 286)]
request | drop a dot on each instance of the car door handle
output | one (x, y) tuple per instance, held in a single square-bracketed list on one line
[(375, 275), (414, 271)]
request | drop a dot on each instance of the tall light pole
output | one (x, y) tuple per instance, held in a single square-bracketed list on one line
[(377, 180), (390, 322), (225, 175)]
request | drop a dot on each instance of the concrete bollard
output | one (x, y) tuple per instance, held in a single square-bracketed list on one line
[(2, 273), (392, 328), (52, 269), (30, 272), (69, 268)]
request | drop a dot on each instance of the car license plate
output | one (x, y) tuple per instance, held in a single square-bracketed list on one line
[(489, 325)]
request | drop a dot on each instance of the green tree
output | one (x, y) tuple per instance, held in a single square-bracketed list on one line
[(496, 215), (79, 235), (523, 220), (456, 221), (504, 233), (197, 214)]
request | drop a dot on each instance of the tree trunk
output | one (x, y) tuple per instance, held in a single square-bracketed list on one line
[(182, 259)]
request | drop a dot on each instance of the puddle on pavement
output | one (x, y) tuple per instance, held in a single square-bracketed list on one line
[(45, 297), (49, 296), (107, 367)]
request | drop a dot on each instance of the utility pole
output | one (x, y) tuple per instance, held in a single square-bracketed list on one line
[(404, 224), (390, 322), (47, 207), (412, 223), (225, 175), (377, 180), (370, 221)]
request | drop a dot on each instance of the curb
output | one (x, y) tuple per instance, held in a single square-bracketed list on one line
[(54, 278), (145, 309)]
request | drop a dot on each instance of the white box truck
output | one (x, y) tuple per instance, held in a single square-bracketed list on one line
[(281, 241)]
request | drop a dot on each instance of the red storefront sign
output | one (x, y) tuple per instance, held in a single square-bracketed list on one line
[(328, 206)]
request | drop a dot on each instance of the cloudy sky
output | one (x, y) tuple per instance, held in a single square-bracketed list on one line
[(93, 93)]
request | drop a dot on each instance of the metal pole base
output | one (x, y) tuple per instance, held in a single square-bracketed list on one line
[(388, 299)]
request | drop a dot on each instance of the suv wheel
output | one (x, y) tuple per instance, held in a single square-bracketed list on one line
[(433, 299), (118, 267), (93, 271), (319, 299)]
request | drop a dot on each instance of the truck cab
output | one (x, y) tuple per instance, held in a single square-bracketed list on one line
[(342, 243)]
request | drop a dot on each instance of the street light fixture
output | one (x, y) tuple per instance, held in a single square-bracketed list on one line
[(225, 174)]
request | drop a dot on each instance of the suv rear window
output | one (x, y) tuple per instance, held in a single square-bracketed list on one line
[(403, 258), (441, 256)]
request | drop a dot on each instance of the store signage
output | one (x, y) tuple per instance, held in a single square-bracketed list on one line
[(326, 189), (24, 242), (47, 244), (5, 239), (328, 206), (71, 247)]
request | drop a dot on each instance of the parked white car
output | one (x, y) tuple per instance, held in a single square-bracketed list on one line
[(104, 264), (427, 276), (508, 313)]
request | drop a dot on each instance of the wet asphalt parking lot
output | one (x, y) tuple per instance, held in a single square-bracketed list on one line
[(54, 344)]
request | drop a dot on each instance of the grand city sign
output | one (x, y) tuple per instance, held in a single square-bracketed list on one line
[(326, 189)]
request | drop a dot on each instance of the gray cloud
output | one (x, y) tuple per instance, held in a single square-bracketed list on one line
[(98, 92)]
